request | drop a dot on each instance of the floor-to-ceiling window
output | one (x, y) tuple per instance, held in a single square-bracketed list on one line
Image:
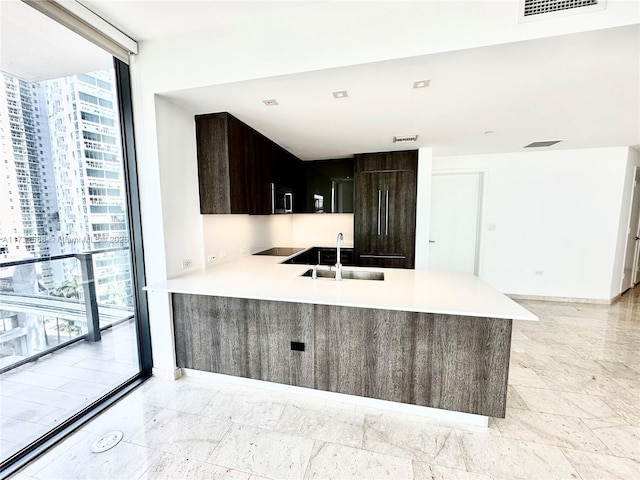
[(73, 324)]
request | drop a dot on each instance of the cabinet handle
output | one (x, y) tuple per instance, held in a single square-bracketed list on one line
[(273, 198), (386, 215), (288, 203), (397, 257), (379, 202)]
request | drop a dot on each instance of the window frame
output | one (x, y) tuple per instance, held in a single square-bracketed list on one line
[(136, 252)]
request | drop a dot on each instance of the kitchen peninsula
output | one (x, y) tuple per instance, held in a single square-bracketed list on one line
[(434, 339)]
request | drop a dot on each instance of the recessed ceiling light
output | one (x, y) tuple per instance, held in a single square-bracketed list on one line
[(546, 143), (340, 94), (421, 84), (271, 102)]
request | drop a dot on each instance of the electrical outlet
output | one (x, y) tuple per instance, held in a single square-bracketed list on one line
[(539, 273), (210, 258), (491, 227), (186, 263)]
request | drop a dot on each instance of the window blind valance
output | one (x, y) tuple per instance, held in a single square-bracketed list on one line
[(87, 24)]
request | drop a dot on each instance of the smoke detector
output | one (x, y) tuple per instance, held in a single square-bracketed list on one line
[(405, 138)]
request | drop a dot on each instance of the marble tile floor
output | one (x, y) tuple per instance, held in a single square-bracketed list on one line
[(40, 394), (573, 413)]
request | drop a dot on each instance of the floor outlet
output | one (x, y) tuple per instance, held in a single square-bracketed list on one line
[(186, 264), (106, 442)]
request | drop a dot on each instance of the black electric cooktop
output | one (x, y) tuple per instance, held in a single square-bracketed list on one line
[(280, 251)]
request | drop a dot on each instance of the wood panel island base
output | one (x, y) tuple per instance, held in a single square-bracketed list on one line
[(445, 361)]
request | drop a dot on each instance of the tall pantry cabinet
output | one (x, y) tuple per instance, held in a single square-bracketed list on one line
[(385, 209)]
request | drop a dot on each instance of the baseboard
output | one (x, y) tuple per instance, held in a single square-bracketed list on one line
[(598, 301), (167, 374), (430, 412)]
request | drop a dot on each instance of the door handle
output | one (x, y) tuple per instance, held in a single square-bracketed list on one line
[(386, 216), (432, 241), (379, 206)]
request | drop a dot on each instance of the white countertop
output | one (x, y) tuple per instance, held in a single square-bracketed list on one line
[(264, 278)]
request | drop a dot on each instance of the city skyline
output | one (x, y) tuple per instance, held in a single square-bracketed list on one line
[(62, 163)]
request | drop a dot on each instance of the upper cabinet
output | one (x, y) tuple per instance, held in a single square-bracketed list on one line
[(328, 187), (229, 176), (238, 165), (242, 171), (385, 209)]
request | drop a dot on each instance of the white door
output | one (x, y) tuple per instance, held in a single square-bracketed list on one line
[(456, 201), (630, 274), (636, 276)]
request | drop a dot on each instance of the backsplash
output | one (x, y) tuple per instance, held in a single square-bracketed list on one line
[(230, 236), (321, 229)]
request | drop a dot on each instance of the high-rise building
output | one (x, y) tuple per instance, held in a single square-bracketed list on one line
[(62, 164), (86, 152), (28, 202)]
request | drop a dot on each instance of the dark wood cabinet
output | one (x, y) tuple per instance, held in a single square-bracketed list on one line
[(385, 209), (327, 186), (443, 361), (365, 352), (237, 165), (323, 256), (229, 175), (245, 338)]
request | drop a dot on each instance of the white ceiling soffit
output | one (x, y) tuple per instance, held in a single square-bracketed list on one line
[(580, 88), (33, 47)]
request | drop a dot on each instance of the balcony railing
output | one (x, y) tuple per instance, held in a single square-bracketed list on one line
[(83, 316)]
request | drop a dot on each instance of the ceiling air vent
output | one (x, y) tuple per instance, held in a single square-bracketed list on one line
[(405, 138), (546, 143), (541, 9)]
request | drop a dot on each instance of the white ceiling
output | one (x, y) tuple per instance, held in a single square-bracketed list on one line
[(145, 20), (581, 88)]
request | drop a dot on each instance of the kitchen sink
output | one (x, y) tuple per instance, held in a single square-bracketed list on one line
[(346, 274)]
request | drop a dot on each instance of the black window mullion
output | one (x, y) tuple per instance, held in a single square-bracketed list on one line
[(136, 250)]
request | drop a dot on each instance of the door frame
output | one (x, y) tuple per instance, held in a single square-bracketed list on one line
[(483, 180), (635, 190)]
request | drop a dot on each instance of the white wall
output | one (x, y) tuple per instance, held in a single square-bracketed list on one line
[(180, 201), (555, 212)]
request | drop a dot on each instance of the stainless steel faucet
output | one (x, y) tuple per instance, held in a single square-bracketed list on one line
[(339, 241)]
